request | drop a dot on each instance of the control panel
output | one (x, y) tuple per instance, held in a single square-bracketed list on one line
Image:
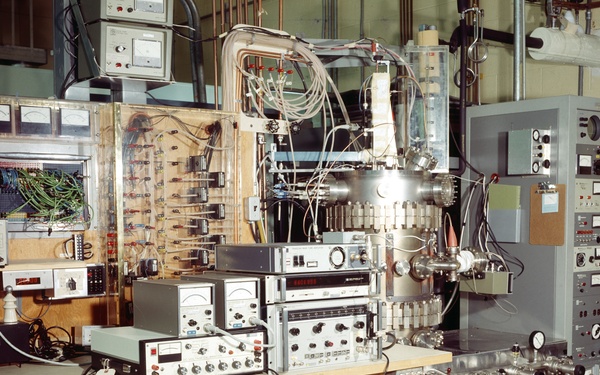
[(292, 258), (529, 152), (129, 350), (175, 307), (159, 12), (587, 229), (205, 355), (130, 51), (237, 298), (313, 336), (586, 315)]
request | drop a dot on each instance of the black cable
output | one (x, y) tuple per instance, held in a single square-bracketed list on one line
[(393, 336), (387, 363), (44, 344), (273, 371), (276, 200)]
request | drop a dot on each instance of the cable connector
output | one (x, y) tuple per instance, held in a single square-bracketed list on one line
[(209, 328)]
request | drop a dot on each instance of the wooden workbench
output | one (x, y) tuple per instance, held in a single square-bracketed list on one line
[(401, 358)]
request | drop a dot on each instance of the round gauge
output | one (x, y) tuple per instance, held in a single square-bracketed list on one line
[(593, 128), (535, 134), (596, 331), (535, 167), (337, 257), (537, 339), (580, 260)]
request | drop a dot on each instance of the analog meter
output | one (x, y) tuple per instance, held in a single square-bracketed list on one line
[(537, 339)]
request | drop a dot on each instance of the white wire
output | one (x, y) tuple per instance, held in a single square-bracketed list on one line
[(34, 357), (515, 309)]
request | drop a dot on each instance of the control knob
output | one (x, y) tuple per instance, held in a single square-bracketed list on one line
[(236, 365), (192, 323), (202, 351), (340, 327), (318, 328), (222, 348), (238, 316), (196, 369), (359, 325), (294, 347), (337, 257), (294, 331), (249, 363), (209, 367), (242, 346), (223, 366), (182, 371)]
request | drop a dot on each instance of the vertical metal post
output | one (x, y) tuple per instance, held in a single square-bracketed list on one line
[(518, 6)]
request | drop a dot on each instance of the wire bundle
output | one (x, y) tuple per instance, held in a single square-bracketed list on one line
[(44, 344), (54, 194), (9, 180)]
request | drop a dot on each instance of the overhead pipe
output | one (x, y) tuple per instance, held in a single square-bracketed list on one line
[(492, 35), (196, 55)]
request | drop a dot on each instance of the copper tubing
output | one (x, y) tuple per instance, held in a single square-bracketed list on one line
[(215, 55), (280, 14)]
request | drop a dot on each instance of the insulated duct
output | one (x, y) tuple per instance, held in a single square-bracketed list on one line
[(566, 47)]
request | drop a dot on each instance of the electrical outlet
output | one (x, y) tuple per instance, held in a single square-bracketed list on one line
[(252, 209)]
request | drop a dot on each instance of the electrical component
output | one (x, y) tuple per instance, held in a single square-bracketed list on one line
[(252, 209), (75, 122), (292, 257), (490, 283), (148, 267), (96, 285), (189, 305), (311, 331), (35, 120), (129, 51), (198, 163), (78, 246), (159, 12), (237, 298), (217, 179), (135, 351), (5, 119), (69, 283), (28, 279)]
